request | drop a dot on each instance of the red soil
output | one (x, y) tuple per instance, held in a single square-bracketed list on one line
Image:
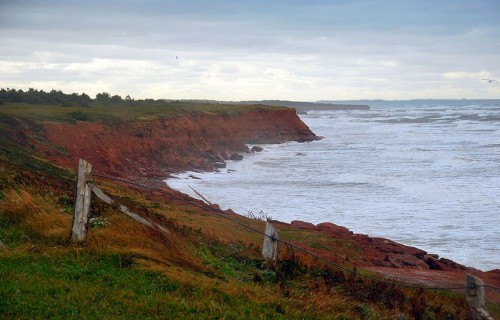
[(158, 147)]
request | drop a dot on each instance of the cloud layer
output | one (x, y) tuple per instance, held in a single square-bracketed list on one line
[(227, 50)]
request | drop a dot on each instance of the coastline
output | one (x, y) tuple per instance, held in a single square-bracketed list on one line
[(146, 150), (157, 149), (382, 256)]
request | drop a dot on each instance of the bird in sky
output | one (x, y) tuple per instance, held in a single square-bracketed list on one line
[(490, 80)]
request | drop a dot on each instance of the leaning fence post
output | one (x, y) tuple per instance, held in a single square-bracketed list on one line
[(270, 246), (82, 201), (475, 298)]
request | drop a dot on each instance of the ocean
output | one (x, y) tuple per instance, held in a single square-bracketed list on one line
[(425, 175)]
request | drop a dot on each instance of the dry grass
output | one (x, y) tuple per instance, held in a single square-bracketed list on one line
[(126, 236), (36, 215)]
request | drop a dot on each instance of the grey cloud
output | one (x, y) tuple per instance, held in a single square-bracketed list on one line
[(316, 44)]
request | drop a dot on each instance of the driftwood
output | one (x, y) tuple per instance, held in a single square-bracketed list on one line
[(104, 197), (82, 202)]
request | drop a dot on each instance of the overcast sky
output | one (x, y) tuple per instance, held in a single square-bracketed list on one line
[(252, 50)]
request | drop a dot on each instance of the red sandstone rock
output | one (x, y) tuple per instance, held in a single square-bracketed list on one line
[(333, 228), (389, 246), (433, 263), (452, 264), (302, 225), (395, 261), (382, 263), (412, 261)]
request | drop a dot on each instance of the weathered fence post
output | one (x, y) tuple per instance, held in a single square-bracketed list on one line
[(270, 246), (475, 298), (82, 202)]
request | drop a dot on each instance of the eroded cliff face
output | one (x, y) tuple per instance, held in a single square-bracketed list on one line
[(156, 147)]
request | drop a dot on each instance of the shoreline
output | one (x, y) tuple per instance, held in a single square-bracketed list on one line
[(384, 257), (431, 259), (182, 180), (143, 150), (220, 181)]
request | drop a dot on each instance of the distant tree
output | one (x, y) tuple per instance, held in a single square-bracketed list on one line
[(11, 95), (85, 100), (102, 97), (85, 97), (15, 96), (57, 97), (57, 94), (116, 98)]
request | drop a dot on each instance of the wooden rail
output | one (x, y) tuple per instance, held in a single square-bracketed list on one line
[(104, 197)]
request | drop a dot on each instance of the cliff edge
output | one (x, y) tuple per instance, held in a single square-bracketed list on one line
[(152, 147)]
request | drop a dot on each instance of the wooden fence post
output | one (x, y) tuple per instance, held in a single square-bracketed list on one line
[(270, 246), (475, 298), (82, 202)]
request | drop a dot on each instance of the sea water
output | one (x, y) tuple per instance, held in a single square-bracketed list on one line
[(423, 175)]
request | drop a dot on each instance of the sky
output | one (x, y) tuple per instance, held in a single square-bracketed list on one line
[(253, 50)]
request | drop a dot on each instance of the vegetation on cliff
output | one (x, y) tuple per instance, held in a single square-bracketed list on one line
[(207, 267), (61, 107)]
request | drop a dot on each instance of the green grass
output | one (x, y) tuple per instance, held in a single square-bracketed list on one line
[(10, 153), (77, 286), (493, 309), (83, 285), (119, 113), (337, 247), (87, 286)]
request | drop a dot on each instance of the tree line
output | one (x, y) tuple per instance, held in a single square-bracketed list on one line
[(34, 96)]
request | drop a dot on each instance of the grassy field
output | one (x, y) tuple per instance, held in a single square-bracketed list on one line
[(111, 113)]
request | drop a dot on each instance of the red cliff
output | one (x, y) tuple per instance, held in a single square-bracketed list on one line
[(156, 147)]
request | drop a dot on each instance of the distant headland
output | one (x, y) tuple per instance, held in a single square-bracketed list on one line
[(306, 106)]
